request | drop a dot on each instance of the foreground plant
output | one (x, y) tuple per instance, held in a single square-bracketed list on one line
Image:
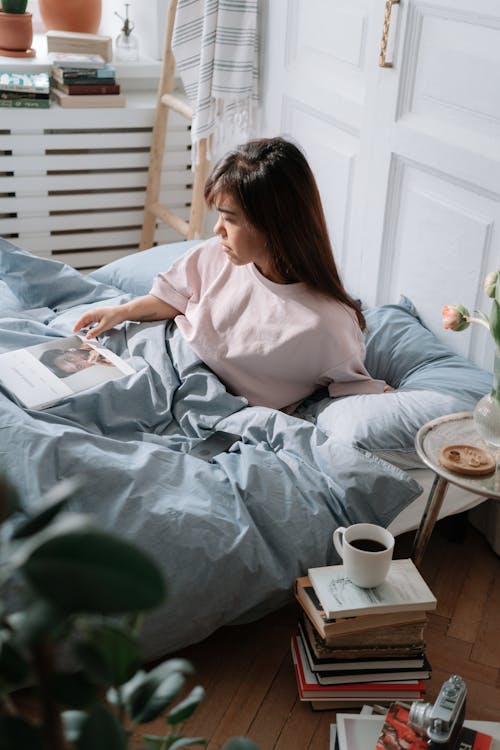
[(71, 598)]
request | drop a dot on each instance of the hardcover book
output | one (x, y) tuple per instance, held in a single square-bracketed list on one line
[(404, 589), (397, 734), (79, 89), (104, 76), (25, 82), (331, 628), (331, 663), (403, 640), (70, 101), (367, 674), (72, 41), (42, 375), (309, 688), (76, 60), (25, 102)]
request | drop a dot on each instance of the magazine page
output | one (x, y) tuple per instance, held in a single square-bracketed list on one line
[(43, 374)]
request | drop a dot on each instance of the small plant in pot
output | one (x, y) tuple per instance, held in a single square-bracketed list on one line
[(16, 29)]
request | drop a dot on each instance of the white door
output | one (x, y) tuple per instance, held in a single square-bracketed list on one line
[(407, 157)]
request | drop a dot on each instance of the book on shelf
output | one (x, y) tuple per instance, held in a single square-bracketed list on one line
[(397, 734), (76, 60), (35, 83), (369, 644), (334, 627), (79, 89), (25, 102), (44, 374), (70, 101), (309, 688), (8, 95), (404, 589), (72, 41), (104, 76)]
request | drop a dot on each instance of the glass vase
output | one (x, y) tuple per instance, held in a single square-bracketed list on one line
[(487, 411)]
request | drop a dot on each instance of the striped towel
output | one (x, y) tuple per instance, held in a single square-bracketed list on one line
[(215, 44)]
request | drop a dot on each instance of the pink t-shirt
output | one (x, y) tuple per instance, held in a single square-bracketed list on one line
[(272, 343)]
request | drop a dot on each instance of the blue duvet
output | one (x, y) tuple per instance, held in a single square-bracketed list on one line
[(231, 534)]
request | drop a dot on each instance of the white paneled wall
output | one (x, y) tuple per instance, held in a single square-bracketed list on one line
[(72, 182)]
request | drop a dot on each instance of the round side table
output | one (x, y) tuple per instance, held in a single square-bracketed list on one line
[(452, 429)]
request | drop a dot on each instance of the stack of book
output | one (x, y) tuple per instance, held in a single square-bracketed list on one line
[(359, 646), (24, 90), (84, 80)]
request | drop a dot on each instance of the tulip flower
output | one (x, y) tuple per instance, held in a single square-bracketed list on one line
[(457, 317)]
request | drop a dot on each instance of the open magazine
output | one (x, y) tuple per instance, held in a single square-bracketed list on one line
[(41, 375)]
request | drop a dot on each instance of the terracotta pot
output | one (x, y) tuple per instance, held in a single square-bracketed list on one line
[(16, 34), (83, 16)]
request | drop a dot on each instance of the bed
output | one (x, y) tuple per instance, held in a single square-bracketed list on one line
[(232, 533)]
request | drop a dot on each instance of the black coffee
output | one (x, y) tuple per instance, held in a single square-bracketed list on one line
[(368, 545)]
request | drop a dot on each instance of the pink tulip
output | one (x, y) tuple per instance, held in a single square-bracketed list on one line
[(455, 317)]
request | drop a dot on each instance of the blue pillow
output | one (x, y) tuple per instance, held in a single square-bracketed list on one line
[(408, 356), (135, 273), (430, 379)]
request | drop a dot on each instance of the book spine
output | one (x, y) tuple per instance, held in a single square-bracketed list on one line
[(25, 103), (24, 89), (78, 89), (23, 94)]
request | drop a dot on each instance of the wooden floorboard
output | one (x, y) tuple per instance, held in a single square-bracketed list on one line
[(249, 678)]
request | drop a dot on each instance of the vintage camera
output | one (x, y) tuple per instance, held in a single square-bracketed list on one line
[(441, 721)]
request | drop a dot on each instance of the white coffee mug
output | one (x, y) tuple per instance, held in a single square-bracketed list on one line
[(366, 551)]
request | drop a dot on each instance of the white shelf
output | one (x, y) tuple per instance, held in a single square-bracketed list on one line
[(143, 74)]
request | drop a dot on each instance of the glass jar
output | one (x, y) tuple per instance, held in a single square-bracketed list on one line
[(487, 411)]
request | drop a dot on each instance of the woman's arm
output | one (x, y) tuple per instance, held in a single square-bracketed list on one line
[(142, 309)]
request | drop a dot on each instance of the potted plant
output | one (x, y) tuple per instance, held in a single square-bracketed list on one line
[(71, 598), (16, 29)]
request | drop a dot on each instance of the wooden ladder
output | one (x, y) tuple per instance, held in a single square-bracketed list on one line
[(166, 101)]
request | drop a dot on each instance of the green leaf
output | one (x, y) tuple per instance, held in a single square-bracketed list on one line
[(36, 621), (72, 724), (186, 742), (495, 320), (13, 666), (172, 665), (150, 742), (127, 689), (17, 734), (52, 504), (73, 690), (92, 571), (101, 731), (117, 652), (151, 697), (185, 708), (240, 743)]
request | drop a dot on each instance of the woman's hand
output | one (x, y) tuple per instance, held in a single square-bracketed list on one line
[(388, 388), (104, 318)]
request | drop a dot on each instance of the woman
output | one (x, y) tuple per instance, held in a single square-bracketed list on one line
[(262, 303)]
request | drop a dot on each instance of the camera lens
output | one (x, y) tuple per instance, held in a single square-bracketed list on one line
[(419, 716)]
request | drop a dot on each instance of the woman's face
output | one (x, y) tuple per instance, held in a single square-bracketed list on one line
[(241, 241)]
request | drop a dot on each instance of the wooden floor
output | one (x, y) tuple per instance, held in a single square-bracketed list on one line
[(248, 675)]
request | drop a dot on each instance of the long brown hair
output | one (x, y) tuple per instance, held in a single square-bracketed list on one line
[(276, 189)]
